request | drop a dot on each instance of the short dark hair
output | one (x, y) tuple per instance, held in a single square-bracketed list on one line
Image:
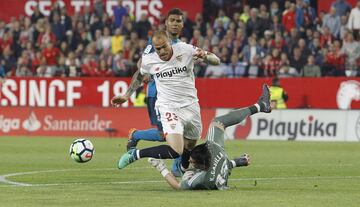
[(202, 156), (175, 11), (159, 34)]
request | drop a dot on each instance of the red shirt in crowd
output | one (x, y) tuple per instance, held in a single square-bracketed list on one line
[(46, 38), (332, 58), (326, 40), (272, 66), (288, 20), (89, 69), (50, 55)]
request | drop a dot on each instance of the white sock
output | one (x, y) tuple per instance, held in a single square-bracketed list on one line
[(233, 163), (257, 106)]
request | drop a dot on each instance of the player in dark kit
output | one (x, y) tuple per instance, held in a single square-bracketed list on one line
[(210, 165)]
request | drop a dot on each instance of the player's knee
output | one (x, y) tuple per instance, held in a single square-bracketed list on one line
[(178, 149)]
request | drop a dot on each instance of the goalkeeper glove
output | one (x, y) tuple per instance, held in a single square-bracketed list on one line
[(159, 165)]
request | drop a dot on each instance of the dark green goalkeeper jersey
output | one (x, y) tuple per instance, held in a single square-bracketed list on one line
[(216, 177)]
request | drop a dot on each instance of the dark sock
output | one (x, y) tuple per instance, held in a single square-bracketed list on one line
[(159, 152), (185, 158), (236, 116), (253, 109)]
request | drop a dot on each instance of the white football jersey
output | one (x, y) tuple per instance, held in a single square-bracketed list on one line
[(174, 79)]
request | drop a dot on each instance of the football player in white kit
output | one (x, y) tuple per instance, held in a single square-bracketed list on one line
[(177, 103)]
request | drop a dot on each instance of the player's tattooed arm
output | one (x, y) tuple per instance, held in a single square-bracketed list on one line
[(207, 57), (136, 82)]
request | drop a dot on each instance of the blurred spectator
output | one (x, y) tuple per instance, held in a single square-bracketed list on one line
[(200, 24), (24, 66), (255, 24), (285, 71), (120, 68), (143, 27), (46, 37), (197, 39), (276, 25), (50, 53), (354, 21), (289, 16), (334, 62), (245, 16), (105, 40), (89, 66), (343, 27), (36, 15), (311, 69), (305, 15), (104, 70), (23, 71), (342, 7), (304, 50), (58, 29), (97, 24), (272, 63), (332, 21), (72, 64), (235, 69), (117, 42), (140, 97), (351, 50), (2, 75), (275, 11), (188, 28), (326, 37), (278, 96), (222, 19), (297, 61), (214, 39), (8, 61), (99, 8), (61, 68), (65, 19), (119, 13), (251, 50), (216, 71)]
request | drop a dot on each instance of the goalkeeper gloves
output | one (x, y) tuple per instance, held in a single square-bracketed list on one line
[(159, 165)]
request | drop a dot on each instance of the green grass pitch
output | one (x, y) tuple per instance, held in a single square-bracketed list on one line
[(282, 174)]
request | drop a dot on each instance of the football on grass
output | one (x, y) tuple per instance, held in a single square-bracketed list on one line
[(82, 150)]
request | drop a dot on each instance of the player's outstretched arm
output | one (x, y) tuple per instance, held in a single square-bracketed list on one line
[(207, 57), (136, 81), (161, 167)]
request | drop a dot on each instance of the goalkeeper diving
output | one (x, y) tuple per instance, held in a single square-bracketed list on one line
[(210, 166)]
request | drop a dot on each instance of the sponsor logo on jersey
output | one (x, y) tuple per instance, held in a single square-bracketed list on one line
[(179, 58), (171, 73)]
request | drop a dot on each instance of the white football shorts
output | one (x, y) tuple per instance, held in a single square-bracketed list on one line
[(185, 120)]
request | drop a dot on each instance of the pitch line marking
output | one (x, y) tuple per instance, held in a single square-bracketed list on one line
[(3, 178)]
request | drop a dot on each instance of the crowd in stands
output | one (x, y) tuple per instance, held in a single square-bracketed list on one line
[(251, 42)]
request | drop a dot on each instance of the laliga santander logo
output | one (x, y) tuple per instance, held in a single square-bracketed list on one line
[(31, 124), (243, 129), (348, 91)]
